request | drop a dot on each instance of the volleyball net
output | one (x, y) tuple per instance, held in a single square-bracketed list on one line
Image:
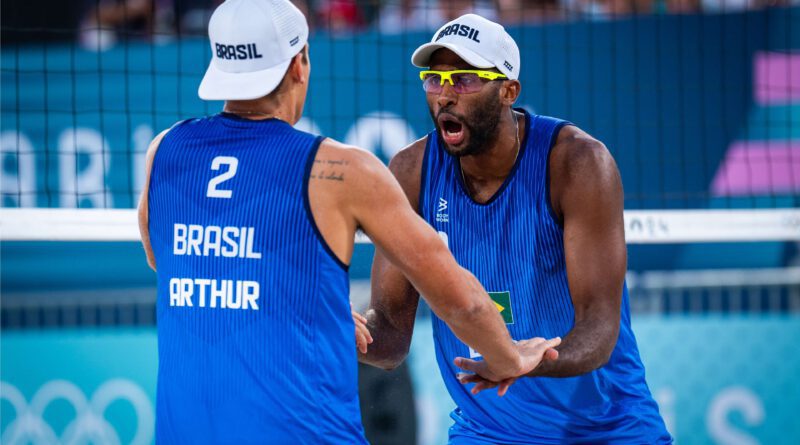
[(701, 110), (641, 226), (698, 102)]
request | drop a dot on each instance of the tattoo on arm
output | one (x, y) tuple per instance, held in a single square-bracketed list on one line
[(329, 169)]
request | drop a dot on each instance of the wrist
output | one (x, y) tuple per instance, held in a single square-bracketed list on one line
[(507, 370), (540, 370)]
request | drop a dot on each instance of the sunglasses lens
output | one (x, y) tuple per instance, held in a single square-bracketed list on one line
[(432, 83), (465, 83), (462, 83)]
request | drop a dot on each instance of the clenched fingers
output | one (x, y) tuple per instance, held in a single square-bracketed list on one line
[(468, 364), (482, 384), (363, 337)]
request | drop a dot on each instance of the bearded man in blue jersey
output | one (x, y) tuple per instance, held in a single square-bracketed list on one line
[(532, 205)]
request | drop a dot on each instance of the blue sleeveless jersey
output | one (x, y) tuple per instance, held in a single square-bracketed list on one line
[(255, 338), (514, 246)]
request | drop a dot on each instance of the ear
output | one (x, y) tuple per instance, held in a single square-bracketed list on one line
[(297, 68), (510, 91)]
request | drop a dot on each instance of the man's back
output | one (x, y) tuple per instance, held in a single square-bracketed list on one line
[(250, 298)]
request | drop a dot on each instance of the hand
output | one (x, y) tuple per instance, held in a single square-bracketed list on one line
[(363, 337), (532, 352)]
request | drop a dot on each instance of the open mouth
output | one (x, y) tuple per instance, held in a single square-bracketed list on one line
[(452, 130)]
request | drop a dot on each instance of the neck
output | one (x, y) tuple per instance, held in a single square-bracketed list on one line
[(262, 109), (498, 160)]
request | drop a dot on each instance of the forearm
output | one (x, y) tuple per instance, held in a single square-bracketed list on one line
[(480, 326), (451, 291), (587, 347), (390, 343)]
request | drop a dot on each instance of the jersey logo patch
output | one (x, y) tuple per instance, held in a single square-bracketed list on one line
[(440, 215), (502, 301)]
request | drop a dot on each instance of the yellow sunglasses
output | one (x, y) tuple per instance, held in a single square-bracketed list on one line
[(462, 81)]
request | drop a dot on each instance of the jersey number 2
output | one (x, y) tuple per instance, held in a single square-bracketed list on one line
[(232, 163)]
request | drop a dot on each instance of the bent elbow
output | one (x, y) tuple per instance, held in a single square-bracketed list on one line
[(387, 363), (394, 360), (605, 353), (390, 365), (592, 362), (603, 359)]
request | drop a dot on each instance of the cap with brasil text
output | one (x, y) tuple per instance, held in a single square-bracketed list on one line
[(480, 42), (252, 44)]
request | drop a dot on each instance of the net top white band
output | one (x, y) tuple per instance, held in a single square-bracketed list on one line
[(641, 226)]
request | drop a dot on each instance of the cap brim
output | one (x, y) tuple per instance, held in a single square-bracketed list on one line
[(422, 56), (222, 85)]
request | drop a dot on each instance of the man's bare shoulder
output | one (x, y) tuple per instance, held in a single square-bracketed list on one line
[(406, 166), (576, 155), (333, 153), (582, 164), (406, 160), (346, 170)]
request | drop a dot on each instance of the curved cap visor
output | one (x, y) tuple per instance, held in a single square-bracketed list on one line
[(222, 85), (422, 56)]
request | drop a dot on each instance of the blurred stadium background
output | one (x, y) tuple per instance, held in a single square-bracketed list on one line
[(698, 100)]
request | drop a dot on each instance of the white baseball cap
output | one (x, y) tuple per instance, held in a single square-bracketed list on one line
[(252, 44), (480, 42)]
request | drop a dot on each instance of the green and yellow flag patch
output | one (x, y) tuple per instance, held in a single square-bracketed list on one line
[(502, 301)]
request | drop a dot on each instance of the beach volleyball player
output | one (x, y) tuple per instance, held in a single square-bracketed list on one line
[(532, 206), (250, 225)]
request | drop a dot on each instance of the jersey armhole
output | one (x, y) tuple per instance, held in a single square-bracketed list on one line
[(423, 176), (307, 203), (547, 198), (153, 164), (167, 133)]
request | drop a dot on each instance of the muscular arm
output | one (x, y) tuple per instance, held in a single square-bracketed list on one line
[(393, 307), (586, 192), (363, 193), (144, 230)]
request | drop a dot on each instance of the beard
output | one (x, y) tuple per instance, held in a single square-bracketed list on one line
[(481, 125)]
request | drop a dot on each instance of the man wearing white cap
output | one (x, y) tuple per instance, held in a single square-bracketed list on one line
[(532, 206), (251, 224)]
